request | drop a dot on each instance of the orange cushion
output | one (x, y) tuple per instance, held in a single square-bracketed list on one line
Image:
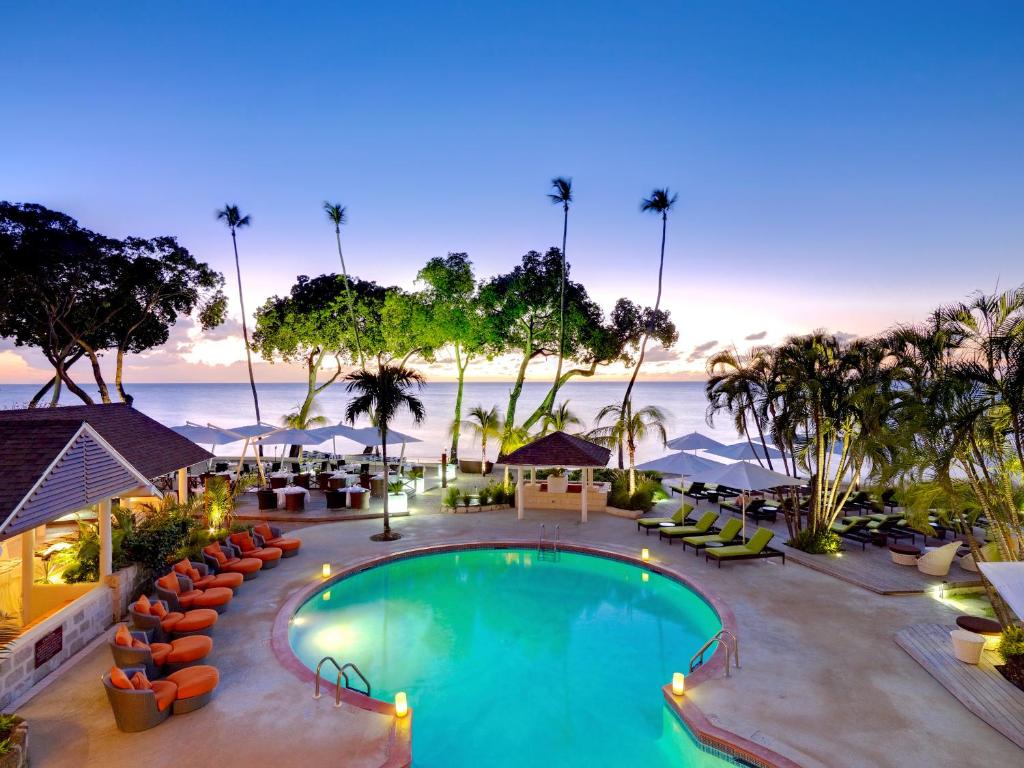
[(160, 652), (212, 597), (165, 693), (170, 582), (214, 551), (194, 575), (142, 605), (191, 648), (266, 554), (285, 544), (140, 682), (183, 567), (170, 621), (158, 610), (194, 681), (229, 580), (139, 644), (264, 530), (245, 565), (243, 541), (193, 621), (119, 679), (123, 636)]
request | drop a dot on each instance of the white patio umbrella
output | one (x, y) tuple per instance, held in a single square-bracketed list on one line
[(332, 433), (211, 436), (693, 441), (249, 431), (684, 464), (745, 451), (747, 477), (1008, 581), (370, 437), (299, 437)]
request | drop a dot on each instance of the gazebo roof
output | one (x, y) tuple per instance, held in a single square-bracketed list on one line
[(559, 450)]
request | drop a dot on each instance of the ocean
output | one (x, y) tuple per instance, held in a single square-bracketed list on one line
[(229, 405)]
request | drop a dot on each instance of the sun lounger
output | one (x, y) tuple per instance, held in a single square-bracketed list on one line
[(754, 549), (696, 491), (679, 518), (704, 525), (727, 535)]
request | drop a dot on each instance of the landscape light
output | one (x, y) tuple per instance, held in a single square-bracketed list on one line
[(645, 554), (325, 570), (401, 704), (678, 683)]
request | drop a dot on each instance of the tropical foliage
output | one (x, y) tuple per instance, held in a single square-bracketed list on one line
[(624, 426)]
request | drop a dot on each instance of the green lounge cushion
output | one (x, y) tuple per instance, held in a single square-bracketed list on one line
[(754, 546), (729, 532), (702, 526), (677, 518)]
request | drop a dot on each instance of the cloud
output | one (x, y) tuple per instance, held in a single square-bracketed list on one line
[(701, 350), (661, 355), (756, 336)]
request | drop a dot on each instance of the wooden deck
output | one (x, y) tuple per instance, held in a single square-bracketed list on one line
[(980, 688)]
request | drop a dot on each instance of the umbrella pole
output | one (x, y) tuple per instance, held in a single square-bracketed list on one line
[(241, 459), (744, 517)]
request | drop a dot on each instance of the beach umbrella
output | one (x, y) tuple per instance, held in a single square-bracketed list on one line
[(292, 437), (747, 477), (745, 451), (370, 437), (249, 431), (693, 441), (208, 435), (685, 464), (332, 433)]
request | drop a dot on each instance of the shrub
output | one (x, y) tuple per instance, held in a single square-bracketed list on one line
[(155, 540), (826, 543), (451, 496), (642, 498), (396, 486), (466, 498), (484, 496), (1012, 642)]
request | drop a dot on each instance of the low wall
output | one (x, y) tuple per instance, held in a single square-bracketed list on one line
[(80, 622)]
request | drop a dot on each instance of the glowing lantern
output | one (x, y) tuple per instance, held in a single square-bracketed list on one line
[(678, 683), (325, 570), (401, 704), (645, 554)]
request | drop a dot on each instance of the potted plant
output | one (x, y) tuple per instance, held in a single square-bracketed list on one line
[(558, 481), (398, 500), (466, 499), (13, 742), (416, 476), (451, 497), (1012, 649), (484, 496)]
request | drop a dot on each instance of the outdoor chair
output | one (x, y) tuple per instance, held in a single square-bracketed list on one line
[(696, 491), (302, 480), (266, 498), (269, 556), (936, 560), (336, 499), (137, 710), (278, 482), (989, 554), (133, 649), (161, 623), (679, 518), (180, 595), (323, 481), (704, 525), (268, 535), (756, 548), (727, 535), (359, 499), (222, 559), (201, 577)]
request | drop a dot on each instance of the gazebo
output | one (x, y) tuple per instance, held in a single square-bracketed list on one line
[(564, 451)]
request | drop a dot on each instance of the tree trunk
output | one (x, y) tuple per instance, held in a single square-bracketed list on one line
[(387, 477), (245, 328), (119, 376), (517, 388), (42, 392), (483, 454), (561, 320), (97, 373), (348, 294), (457, 423), (77, 390), (632, 467), (545, 408)]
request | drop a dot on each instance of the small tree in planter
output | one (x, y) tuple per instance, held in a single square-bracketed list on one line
[(416, 475), (398, 501), (558, 482), (452, 496), (484, 496)]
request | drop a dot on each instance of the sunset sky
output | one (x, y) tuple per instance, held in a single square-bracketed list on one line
[(840, 165)]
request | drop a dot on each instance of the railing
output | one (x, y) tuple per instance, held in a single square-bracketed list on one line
[(725, 638), (541, 539), (342, 676)]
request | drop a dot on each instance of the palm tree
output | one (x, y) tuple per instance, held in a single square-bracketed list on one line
[(299, 420), (336, 213), (734, 387), (561, 419), (660, 202), (231, 216), (486, 425), (629, 427), (381, 395), (561, 196)]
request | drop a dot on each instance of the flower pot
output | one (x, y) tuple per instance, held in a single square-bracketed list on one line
[(558, 484), (398, 502)]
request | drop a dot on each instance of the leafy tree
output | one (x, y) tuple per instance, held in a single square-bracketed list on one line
[(381, 395), (628, 427), (485, 425), (234, 220), (452, 301), (561, 196)]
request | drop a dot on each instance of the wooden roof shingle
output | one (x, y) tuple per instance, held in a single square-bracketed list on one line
[(559, 450)]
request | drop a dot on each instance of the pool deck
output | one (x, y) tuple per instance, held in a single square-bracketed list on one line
[(822, 683)]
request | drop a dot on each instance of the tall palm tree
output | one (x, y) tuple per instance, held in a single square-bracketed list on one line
[(660, 202), (380, 395), (561, 419), (486, 425), (629, 427), (561, 196), (336, 213), (231, 216), (733, 387)]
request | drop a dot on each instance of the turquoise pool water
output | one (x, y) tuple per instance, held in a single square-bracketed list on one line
[(512, 660)]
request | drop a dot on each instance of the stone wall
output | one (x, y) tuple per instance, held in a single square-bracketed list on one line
[(83, 620)]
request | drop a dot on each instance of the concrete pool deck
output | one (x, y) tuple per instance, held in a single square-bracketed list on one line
[(822, 682)]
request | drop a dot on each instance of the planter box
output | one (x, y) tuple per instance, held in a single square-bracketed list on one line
[(17, 756), (398, 502), (461, 510), (629, 514), (558, 484)]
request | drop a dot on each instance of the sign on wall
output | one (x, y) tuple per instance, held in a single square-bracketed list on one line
[(49, 645)]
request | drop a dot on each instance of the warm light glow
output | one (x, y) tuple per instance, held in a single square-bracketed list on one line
[(325, 570), (678, 683), (334, 639), (645, 576), (401, 704), (645, 554), (326, 596)]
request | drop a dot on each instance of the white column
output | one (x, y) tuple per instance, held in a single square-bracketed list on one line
[(106, 542), (584, 481), (519, 494), (183, 485), (28, 548), (533, 475)]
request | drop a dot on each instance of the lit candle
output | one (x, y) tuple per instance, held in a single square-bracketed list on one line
[(325, 570), (645, 554), (401, 704), (678, 683)]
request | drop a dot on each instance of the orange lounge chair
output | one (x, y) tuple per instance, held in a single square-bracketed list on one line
[(268, 535), (140, 703), (223, 560), (133, 649), (243, 542), (177, 591), (155, 617), (199, 574)]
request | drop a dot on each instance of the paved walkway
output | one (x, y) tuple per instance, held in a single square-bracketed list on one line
[(822, 680)]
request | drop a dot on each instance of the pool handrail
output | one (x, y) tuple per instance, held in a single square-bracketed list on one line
[(722, 637)]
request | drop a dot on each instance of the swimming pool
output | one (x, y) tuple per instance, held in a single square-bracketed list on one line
[(512, 659)]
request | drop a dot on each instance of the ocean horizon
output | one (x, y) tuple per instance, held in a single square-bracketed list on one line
[(230, 404)]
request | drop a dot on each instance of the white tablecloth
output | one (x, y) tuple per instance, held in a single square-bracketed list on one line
[(282, 492)]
